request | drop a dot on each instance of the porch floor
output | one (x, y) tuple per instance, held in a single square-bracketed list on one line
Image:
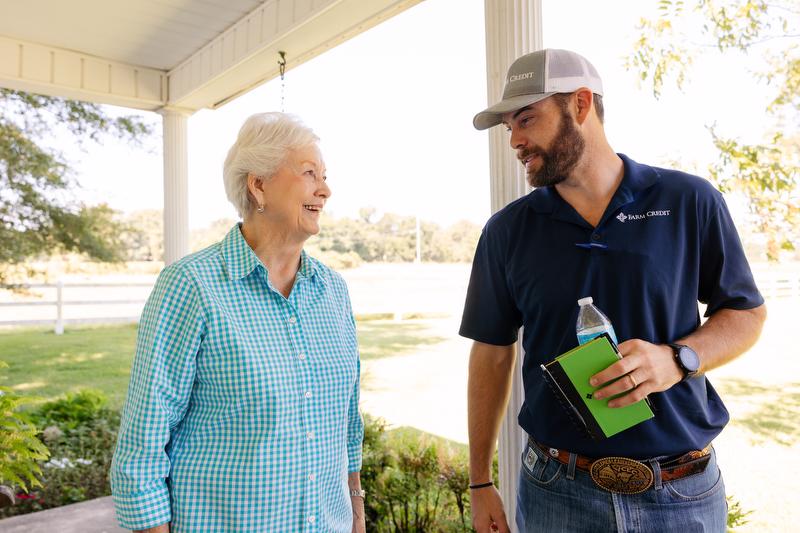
[(94, 516)]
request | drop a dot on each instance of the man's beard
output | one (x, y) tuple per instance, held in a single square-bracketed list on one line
[(562, 157)]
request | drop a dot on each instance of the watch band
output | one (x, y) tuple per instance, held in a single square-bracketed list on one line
[(676, 349), (358, 493)]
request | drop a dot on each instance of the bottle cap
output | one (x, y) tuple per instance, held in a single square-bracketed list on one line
[(585, 301)]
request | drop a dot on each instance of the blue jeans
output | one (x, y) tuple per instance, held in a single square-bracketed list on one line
[(554, 497)]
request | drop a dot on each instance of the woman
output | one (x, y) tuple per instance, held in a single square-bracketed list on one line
[(242, 411)]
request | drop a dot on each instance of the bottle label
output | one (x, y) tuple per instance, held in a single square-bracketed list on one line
[(589, 334)]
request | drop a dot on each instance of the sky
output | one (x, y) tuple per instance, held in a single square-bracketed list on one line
[(393, 108)]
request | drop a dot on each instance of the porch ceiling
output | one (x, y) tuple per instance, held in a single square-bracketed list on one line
[(181, 54)]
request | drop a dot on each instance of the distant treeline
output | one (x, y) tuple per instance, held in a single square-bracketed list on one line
[(342, 243)]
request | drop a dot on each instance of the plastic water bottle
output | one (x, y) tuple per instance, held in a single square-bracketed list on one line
[(592, 322)]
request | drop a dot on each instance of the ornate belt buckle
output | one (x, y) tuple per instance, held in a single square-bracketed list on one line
[(621, 475)]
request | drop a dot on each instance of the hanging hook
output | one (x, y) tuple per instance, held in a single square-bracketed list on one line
[(282, 63), (282, 68)]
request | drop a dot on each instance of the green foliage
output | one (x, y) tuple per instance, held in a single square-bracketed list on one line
[(37, 213), (20, 449), (392, 238), (666, 45), (414, 484), (81, 434), (342, 243), (767, 173), (737, 516), (142, 236), (75, 409)]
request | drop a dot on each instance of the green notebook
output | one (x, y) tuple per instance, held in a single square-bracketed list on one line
[(568, 376)]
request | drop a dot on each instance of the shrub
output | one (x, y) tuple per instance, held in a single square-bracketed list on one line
[(737, 516), (80, 433), (74, 410), (20, 449), (414, 483)]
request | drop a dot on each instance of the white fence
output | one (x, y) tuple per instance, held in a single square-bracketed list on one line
[(60, 303), (398, 290), (777, 285)]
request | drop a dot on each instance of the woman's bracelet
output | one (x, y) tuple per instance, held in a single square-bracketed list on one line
[(357, 493), (481, 485)]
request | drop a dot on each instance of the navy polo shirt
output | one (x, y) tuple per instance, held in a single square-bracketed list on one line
[(665, 242)]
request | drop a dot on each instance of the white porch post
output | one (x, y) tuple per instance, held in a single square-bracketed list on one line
[(176, 185), (513, 28)]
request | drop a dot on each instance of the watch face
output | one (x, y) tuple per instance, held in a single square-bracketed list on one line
[(689, 359)]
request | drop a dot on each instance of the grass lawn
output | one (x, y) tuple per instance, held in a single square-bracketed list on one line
[(45, 365)]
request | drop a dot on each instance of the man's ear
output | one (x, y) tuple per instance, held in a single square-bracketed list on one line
[(584, 100)]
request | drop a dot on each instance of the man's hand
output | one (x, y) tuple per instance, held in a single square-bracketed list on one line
[(488, 515), (643, 369), (652, 368), (488, 388)]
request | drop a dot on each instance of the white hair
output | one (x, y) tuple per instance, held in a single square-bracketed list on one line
[(262, 146)]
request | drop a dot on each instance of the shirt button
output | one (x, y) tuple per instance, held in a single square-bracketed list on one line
[(308, 394), (312, 477), (312, 519), (595, 237), (301, 356), (292, 320), (310, 434)]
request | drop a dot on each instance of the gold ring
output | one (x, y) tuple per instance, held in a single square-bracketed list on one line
[(633, 381)]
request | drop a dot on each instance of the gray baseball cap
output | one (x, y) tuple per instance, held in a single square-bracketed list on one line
[(536, 76)]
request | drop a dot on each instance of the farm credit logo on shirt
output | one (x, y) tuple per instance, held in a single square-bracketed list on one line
[(622, 217)]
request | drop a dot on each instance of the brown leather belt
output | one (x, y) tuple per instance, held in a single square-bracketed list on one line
[(629, 476)]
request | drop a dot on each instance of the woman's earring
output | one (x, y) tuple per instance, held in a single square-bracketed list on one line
[(260, 208)]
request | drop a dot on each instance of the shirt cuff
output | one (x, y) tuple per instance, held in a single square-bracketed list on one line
[(354, 458), (143, 510)]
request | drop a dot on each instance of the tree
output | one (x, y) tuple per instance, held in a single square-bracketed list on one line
[(215, 232), (38, 214), (767, 173), (142, 235)]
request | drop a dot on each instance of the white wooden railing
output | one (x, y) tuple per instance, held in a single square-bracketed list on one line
[(771, 284), (60, 302)]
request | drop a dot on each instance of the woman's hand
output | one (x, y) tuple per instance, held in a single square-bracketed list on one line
[(359, 521), (163, 528), (357, 503)]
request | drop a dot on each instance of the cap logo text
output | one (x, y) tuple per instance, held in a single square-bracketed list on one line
[(518, 77)]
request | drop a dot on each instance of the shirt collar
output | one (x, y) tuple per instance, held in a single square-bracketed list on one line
[(636, 178), (240, 260), (308, 266)]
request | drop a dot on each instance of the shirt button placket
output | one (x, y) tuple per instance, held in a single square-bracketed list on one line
[(306, 383)]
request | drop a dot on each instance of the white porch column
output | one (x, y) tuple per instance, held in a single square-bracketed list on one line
[(176, 185), (513, 28)]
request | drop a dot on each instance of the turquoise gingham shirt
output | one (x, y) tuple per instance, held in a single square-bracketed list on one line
[(242, 410)]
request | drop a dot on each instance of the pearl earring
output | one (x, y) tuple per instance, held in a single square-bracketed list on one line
[(260, 208)]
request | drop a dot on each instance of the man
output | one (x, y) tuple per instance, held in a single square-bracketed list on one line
[(647, 244)]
